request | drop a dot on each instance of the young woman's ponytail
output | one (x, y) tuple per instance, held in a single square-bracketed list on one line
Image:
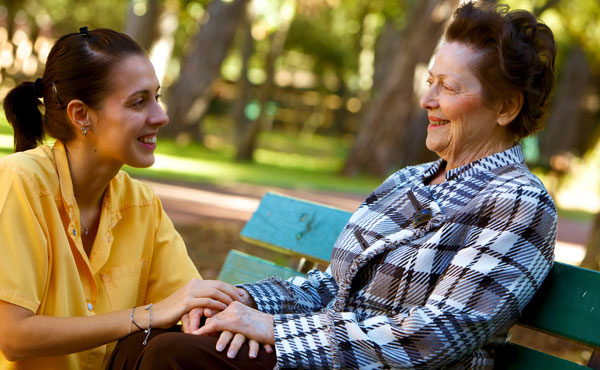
[(22, 109)]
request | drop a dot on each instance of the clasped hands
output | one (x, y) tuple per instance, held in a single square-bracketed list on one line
[(239, 322)]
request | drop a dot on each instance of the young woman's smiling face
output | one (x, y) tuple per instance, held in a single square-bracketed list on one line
[(128, 120), (462, 128)]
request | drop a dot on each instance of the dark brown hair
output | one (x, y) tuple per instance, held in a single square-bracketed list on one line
[(519, 53), (78, 67)]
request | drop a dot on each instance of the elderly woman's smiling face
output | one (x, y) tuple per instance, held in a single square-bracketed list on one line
[(462, 128)]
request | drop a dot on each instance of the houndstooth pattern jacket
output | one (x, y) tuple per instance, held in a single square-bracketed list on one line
[(437, 295)]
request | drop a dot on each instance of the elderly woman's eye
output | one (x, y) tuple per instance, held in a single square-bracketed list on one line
[(447, 87), (157, 97)]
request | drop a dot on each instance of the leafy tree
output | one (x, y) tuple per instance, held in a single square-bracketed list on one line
[(384, 126), (141, 22), (189, 96)]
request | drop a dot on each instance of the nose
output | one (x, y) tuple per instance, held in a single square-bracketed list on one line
[(429, 99), (157, 116)]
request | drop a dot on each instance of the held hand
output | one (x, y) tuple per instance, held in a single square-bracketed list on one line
[(235, 342), (241, 319), (191, 320), (195, 294), (246, 298)]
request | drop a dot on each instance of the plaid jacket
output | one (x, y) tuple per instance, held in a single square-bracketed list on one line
[(436, 295)]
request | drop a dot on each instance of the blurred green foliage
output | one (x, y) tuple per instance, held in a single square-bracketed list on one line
[(325, 40), (283, 159)]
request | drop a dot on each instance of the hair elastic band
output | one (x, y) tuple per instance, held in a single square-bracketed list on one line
[(83, 31), (38, 88)]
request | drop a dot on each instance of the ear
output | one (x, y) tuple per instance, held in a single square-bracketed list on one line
[(79, 114), (509, 108)]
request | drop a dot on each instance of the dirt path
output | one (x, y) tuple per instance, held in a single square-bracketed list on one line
[(189, 203)]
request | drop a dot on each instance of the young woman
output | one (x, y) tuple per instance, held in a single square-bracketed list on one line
[(88, 254)]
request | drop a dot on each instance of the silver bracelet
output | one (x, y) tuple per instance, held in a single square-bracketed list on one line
[(147, 331), (131, 319)]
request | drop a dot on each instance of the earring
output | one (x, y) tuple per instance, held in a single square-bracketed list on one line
[(84, 131)]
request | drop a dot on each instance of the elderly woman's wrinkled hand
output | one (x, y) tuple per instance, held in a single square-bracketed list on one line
[(241, 319), (235, 342)]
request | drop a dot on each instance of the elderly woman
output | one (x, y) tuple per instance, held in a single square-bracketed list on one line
[(438, 262)]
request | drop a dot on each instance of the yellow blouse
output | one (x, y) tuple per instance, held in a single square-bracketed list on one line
[(137, 257)]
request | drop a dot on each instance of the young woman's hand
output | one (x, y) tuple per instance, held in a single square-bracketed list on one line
[(191, 322), (197, 293)]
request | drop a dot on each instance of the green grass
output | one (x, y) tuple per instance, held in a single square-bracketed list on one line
[(5, 129), (282, 160), (576, 215)]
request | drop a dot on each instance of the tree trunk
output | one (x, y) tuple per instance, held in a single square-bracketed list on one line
[(592, 256), (385, 121), (249, 135), (240, 119), (162, 48), (190, 95), (567, 107), (388, 43), (143, 28)]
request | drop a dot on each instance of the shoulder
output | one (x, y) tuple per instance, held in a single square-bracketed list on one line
[(35, 168), (515, 183), (397, 181), (516, 176), (406, 176), (132, 192), (410, 173)]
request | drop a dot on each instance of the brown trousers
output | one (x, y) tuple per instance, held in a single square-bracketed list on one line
[(172, 349)]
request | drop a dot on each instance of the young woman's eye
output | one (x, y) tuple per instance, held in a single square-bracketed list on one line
[(157, 97), (138, 103)]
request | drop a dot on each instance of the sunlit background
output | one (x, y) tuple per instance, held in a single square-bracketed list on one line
[(282, 99)]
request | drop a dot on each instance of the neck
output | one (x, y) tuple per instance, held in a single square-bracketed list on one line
[(468, 155), (89, 175)]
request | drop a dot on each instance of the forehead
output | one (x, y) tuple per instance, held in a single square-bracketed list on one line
[(132, 74), (456, 60)]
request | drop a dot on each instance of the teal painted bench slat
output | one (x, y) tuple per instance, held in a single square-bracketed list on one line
[(294, 226), (240, 268), (567, 305)]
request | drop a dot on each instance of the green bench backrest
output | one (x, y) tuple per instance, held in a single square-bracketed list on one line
[(295, 226), (567, 305)]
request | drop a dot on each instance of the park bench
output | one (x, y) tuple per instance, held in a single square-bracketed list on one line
[(567, 305)]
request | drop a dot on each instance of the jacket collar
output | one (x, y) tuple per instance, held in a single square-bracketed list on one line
[(507, 157), (66, 185)]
